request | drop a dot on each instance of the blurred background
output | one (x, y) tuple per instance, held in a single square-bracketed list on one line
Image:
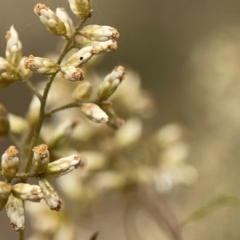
[(187, 53)]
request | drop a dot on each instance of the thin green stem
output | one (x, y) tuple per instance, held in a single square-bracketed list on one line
[(66, 106), (21, 235), (45, 95), (32, 87), (14, 140)]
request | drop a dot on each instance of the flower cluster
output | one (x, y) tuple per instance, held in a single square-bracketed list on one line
[(78, 115), (12, 196)]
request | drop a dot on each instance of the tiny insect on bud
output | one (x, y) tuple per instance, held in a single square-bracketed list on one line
[(111, 82), (81, 8), (40, 158), (10, 163), (15, 212), (27, 192), (8, 73), (4, 122), (79, 58), (100, 33), (72, 73), (50, 20), (50, 196), (5, 190), (62, 14), (40, 65), (14, 47), (62, 166), (94, 113), (83, 91)]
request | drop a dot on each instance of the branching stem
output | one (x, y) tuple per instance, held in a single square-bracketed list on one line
[(45, 95)]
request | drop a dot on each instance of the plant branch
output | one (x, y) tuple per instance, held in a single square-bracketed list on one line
[(45, 95), (66, 106), (32, 87)]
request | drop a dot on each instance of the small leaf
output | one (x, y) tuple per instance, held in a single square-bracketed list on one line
[(213, 205)]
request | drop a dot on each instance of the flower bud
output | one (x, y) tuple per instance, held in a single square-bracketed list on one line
[(50, 20), (10, 163), (41, 65), (5, 190), (22, 70), (114, 121), (17, 124), (62, 166), (100, 33), (81, 8), (94, 113), (27, 192), (15, 211), (50, 196), (14, 47), (107, 46), (61, 132), (8, 73), (40, 158), (111, 83), (71, 73), (83, 91), (4, 121), (79, 58), (64, 17)]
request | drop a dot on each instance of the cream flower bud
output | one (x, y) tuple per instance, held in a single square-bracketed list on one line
[(62, 166), (4, 121), (5, 190), (64, 17), (50, 20), (41, 65), (10, 163), (40, 158), (22, 70), (61, 132), (8, 73), (50, 196), (83, 91), (72, 73), (17, 124), (111, 82), (94, 113), (81, 57), (81, 8), (27, 192), (14, 47), (107, 46), (100, 33), (15, 211)]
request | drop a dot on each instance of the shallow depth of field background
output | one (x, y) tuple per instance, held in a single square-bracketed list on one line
[(188, 55)]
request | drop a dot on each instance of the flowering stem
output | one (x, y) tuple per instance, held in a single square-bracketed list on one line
[(69, 105), (21, 235), (31, 86), (45, 95)]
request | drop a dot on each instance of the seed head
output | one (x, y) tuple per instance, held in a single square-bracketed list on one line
[(72, 73)]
